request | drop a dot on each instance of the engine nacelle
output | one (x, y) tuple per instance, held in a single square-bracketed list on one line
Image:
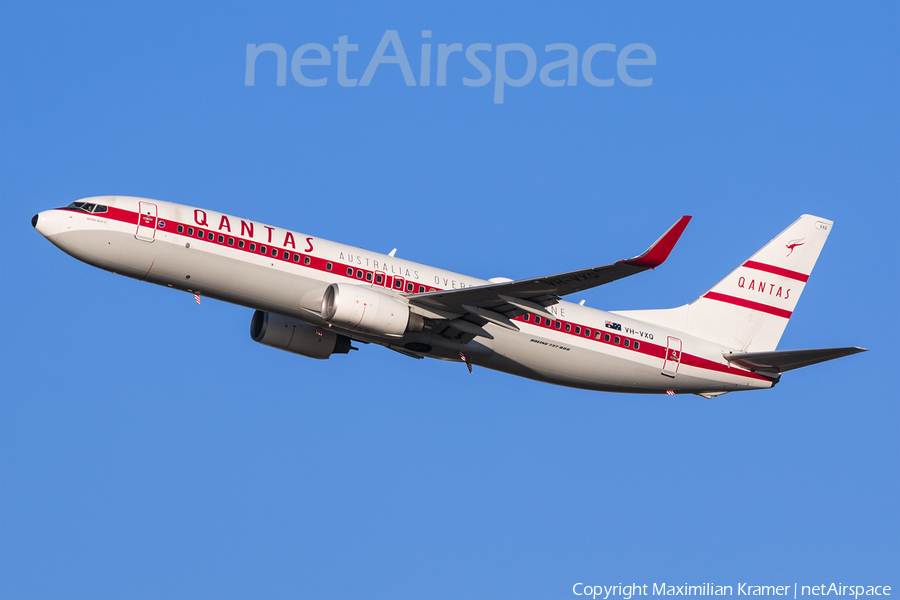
[(368, 310), (296, 336)]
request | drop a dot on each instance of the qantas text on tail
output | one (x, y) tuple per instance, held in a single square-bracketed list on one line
[(314, 297)]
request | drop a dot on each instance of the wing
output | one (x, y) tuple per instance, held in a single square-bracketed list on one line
[(500, 302)]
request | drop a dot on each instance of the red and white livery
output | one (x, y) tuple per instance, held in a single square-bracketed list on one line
[(315, 297)]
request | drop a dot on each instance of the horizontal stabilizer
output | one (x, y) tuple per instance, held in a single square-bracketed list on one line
[(785, 360)]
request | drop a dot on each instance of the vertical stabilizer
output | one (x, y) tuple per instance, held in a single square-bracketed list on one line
[(749, 309)]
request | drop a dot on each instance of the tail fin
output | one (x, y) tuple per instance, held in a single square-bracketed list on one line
[(750, 308)]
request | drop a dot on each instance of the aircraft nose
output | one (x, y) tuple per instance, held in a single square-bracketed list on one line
[(46, 223)]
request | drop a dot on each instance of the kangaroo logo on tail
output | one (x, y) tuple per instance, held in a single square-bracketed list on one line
[(793, 244)]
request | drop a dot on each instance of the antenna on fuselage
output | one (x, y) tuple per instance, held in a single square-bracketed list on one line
[(392, 252)]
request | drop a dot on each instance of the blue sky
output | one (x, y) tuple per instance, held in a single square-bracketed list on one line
[(149, 449)]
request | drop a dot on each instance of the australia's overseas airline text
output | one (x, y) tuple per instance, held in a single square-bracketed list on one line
[(287, 239)]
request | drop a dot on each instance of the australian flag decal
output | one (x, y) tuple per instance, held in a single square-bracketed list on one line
[(611, 325)]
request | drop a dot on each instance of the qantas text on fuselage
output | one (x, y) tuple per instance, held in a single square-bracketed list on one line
[(314, 297)]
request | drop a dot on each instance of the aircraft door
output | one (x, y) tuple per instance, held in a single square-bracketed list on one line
[(146, 227), (381, 279), (673, 357), (398, 284)]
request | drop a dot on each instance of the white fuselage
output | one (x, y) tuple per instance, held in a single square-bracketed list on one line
[(286, 273)]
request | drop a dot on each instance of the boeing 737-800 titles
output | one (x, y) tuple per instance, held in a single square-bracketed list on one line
[(314, 297)]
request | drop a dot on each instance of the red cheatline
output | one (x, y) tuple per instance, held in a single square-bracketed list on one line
[(197, 298)]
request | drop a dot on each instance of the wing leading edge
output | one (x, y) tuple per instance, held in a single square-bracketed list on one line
[(499, 302)]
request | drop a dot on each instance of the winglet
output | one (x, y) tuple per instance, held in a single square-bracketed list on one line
[(659, 251)]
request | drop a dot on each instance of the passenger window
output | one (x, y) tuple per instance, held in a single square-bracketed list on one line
[(262, 249), (210, 236), (410, 287), (231, 241), (637, 344), (568, 327), (379, 279), (537, 320), (181, 229), (296, 258), (350, 271), (557, 324), (286, 255), (597, 335), (525, 317), (368, 277), (240, 243), (616, 340), (200, 233), (626, 343), (587, 332), (306, 260), (398, 285), (252, 247), (421, 288), (275, 252), (221, 238), (328, 266), (190, 231), (577, 329), (359, 273), (605, 337)]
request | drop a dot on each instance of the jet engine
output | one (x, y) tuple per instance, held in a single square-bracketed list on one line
[(296, 336), (368, 310)]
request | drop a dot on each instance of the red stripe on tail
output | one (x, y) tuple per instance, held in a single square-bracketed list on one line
[(778, 312), (752, 264)]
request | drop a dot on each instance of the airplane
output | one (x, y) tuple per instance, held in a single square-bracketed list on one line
[(315, 298)]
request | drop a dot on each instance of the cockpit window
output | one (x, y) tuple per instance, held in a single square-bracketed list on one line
[(88, 207)]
